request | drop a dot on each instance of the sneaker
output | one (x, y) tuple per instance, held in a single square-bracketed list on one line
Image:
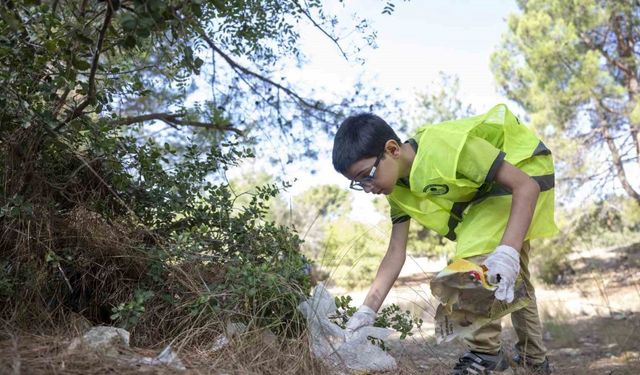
[(472, 363), (535, 368)]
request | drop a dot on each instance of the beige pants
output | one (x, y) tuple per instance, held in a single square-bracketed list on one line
[(526, 322)]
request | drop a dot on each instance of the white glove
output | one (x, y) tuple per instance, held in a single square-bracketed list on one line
[(503, 267), (365, 316)]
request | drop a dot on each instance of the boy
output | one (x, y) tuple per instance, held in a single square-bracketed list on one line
[(485, 182)]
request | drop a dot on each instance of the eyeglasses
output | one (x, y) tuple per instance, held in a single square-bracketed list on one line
[(359, 185)]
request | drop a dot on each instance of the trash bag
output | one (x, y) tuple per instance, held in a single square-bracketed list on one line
[(466, 300), (107, 340), (337, 348), (166, 357)]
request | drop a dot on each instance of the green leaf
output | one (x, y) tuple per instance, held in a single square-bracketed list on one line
[(143, 32), (81, 64), (129, 42), (84, 39), (128, 22), (51, 45)]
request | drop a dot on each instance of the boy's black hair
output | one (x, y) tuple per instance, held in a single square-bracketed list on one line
[(360, 136)]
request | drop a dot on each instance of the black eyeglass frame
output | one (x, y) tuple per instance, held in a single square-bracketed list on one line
[(359, 185)]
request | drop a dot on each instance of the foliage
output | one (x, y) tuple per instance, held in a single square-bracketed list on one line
[(328, 200), (573, 65), (128, 314), (103, 218), (266, 295), (121, 63), (176, 246), (311, 212)]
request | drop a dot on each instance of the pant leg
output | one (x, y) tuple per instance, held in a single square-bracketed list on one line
[(485, 339), (526, 321)]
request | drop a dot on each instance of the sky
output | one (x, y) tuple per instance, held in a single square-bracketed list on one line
[(417, 42)]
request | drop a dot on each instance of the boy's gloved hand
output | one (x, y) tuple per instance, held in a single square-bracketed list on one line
[(365, 316), (503, 267)]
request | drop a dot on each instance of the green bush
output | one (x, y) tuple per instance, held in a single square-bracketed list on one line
[(156, 238)]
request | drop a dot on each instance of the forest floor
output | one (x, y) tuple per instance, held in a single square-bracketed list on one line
[(591, 326)]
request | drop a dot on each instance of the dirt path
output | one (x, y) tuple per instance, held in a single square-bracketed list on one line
[(591, 324)]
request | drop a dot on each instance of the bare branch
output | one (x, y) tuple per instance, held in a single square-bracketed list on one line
[(239, 68), (174, 119)]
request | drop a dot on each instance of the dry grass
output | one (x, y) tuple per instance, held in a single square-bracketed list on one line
[(248, 354)]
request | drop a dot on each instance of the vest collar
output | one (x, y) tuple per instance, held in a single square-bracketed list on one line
[(404, 182)]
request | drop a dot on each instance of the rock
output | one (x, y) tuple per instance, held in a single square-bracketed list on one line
[(102, 338)]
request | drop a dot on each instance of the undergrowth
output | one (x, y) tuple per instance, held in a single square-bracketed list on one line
[(141, 236)]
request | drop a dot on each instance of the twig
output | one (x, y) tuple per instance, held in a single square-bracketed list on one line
[(319, 27), (174, 119)]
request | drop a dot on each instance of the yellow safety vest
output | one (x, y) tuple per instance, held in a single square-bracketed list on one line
[(451, 187)]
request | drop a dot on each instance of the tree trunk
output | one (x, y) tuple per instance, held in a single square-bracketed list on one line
[(617, 163)]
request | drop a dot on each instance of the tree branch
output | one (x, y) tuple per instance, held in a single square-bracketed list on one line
[(61, 102), (617, 161), (94, 67), (239, 68), (174, 119), (600, 48)]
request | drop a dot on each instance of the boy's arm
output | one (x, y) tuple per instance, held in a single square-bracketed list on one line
[(504, 262), (390, 266), (525, 193), (388, 272)]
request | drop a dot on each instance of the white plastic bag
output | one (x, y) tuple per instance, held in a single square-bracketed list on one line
[(334, 346)]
